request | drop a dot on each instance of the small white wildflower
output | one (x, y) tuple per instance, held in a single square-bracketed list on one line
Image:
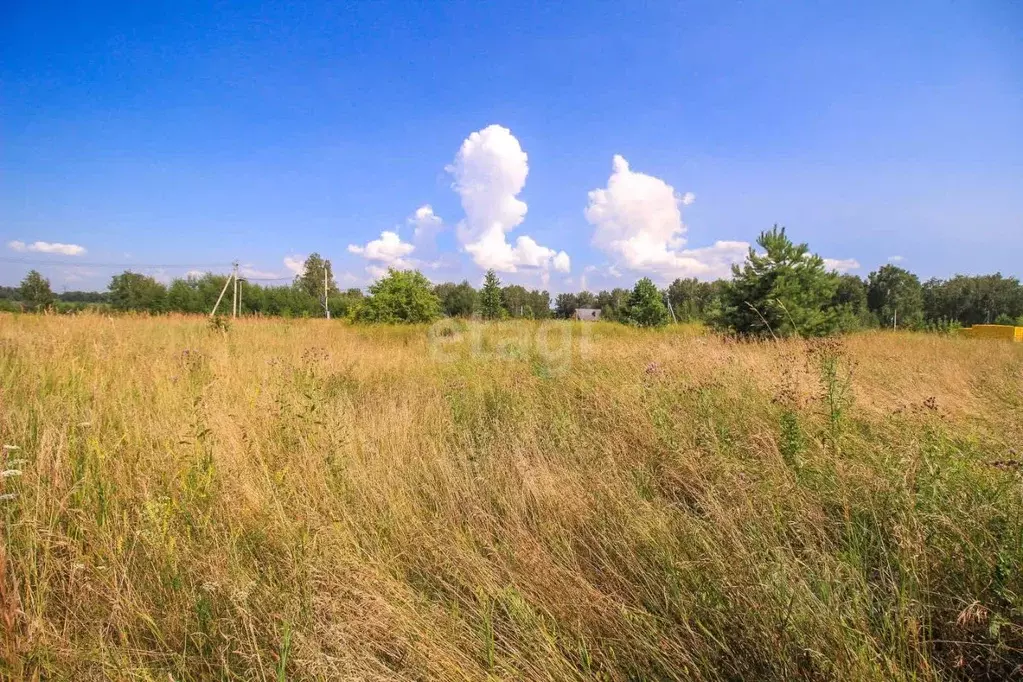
[(9, 473), (17, 462), (7, 497), (8, 448)]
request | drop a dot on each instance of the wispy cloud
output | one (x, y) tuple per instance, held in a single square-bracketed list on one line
[(841, 264), (295, 264), (251, 272), (47, 247)]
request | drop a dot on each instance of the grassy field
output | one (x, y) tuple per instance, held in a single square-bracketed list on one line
[(311, 500)]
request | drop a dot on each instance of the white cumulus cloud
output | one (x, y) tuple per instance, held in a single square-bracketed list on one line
[(895, 259), (489, 171), (424, 222), (389, 251), (841, 264), (637, 219), (47, 247)]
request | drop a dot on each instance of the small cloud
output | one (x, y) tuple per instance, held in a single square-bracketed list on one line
[(295, 264), (841, 264), (47, 247), (160, 275), (425, 223), (389, 248), (194, 274), (561, 262), (74, 274), (688, 198), (376, 271), (250, 272), (895, 259), (389, 251)]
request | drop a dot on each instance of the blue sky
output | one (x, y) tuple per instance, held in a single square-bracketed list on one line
[(189, 135)]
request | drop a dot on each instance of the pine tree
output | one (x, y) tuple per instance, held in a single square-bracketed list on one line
[(785, 290), (490, 297)]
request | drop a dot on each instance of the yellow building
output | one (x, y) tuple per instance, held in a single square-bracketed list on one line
[(1001, 332)]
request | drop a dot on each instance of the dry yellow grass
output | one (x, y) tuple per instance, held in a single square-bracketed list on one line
[(310, 500)]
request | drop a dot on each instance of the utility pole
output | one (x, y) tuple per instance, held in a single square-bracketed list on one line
[(326, 307), (222, 292), (234, 274), (667, 299)]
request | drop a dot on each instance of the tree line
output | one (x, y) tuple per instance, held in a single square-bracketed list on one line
[(781, 288)]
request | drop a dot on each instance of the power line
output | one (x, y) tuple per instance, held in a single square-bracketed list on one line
[(93, 264)]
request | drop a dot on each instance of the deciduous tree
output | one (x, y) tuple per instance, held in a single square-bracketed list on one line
[(401, 296), (645, 307), (35, 290)]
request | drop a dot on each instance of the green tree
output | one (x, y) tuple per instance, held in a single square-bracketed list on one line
[(490, 297), (645, 307), (183, 296), (540, 304), (565, 305), (972, 300), (83, 297), (692, 299), (344, 303), (684, 296), (35, 291), (895, 296), (613, 304), (135, 291), (850, 303), (401, 296), (785, 290), (515, 300), (457, 300), (311, 280), (585, 299)]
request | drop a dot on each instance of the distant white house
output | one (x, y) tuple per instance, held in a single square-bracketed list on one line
[(587, 314)]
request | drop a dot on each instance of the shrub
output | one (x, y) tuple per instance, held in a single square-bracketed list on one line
[(402, 296)]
